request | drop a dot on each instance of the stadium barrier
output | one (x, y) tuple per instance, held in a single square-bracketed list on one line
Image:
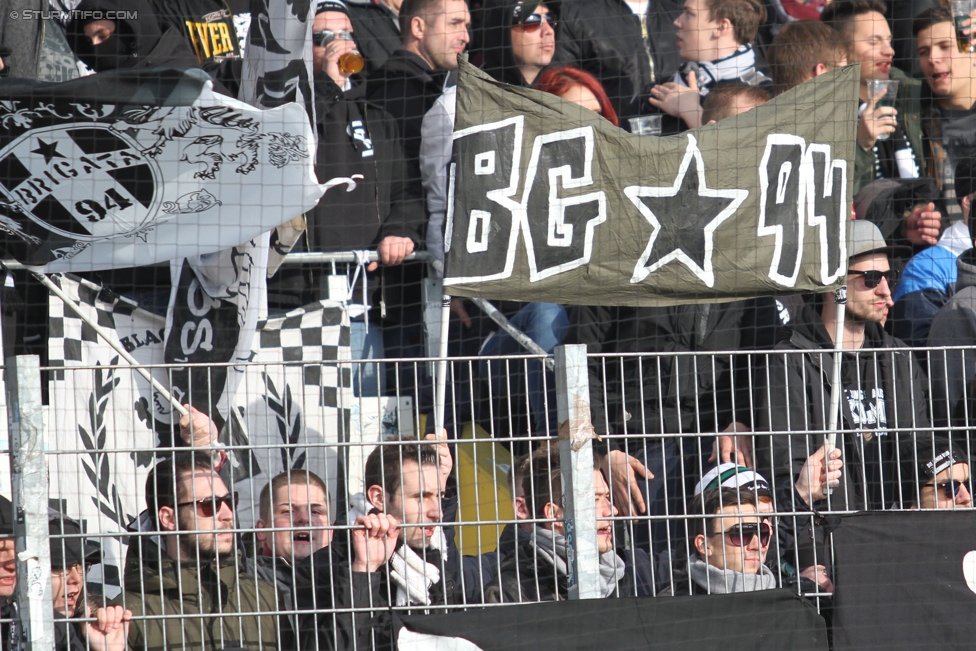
[(87, 453)]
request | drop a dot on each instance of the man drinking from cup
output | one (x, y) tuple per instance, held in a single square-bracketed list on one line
[(888, 134)]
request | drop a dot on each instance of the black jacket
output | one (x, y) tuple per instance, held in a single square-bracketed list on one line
[(406, 87), (446, 592), (662, 37), (523, 577), (458, 584), (355, 137), (680, 393), (681, 585), (208, 27), (145, 43), (279, 572), (377, 32), (325, 584), (604, 38), (794, 396)]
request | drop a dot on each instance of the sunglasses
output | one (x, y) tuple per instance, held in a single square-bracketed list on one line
[(210, 505), (872, 277), (533, 22), (951, 488), (326, 36), (741, 535)]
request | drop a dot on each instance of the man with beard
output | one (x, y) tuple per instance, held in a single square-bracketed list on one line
[(187, 578), (536, 570), (881, 401)]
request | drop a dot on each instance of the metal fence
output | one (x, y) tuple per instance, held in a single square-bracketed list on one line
[(89, 457)]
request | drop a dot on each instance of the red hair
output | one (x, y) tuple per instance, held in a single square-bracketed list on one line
[(558, 81)]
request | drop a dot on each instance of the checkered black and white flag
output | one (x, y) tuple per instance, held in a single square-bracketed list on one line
[(296, 397), (291, 409), (101, 426)]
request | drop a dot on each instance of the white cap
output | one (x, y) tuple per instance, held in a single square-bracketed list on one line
[(731, 475)]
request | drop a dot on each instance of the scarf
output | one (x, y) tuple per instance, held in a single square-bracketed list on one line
[(551, 547), (413, 576), (716, 581), (738, 66)]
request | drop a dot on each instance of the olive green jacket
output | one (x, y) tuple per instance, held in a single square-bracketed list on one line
[(196, 600), (909, 106)]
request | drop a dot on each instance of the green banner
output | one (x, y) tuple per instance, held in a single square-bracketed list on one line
[(550, 202)]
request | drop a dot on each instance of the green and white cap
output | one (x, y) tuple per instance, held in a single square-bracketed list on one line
[(731, 475)]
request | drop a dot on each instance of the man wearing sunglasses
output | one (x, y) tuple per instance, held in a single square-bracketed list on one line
[(518, 39), (356, 139), (881, 399), (728, 551), (187, 568), (935, 474)]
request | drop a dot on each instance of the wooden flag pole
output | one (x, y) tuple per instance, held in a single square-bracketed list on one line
[(100, 331)]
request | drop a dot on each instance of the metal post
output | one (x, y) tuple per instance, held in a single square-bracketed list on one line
[(833, 417), (30, 499), (576, 460)]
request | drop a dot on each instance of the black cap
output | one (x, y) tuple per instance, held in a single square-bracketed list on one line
[(923, 460), (6, 518), (71, 550), (331, 5)]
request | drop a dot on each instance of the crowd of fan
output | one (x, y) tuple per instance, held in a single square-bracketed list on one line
[(322, 580)]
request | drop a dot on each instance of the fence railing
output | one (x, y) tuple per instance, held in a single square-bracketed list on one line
[(245, 574)]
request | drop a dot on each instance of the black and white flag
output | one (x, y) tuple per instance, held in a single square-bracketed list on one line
[(214, 308), (103, 415), (106, 422), (218, 298), (278, 61), (129, 168), (295, 398)]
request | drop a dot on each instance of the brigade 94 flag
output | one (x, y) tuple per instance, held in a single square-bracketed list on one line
[(133, 167), (551, 202)]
